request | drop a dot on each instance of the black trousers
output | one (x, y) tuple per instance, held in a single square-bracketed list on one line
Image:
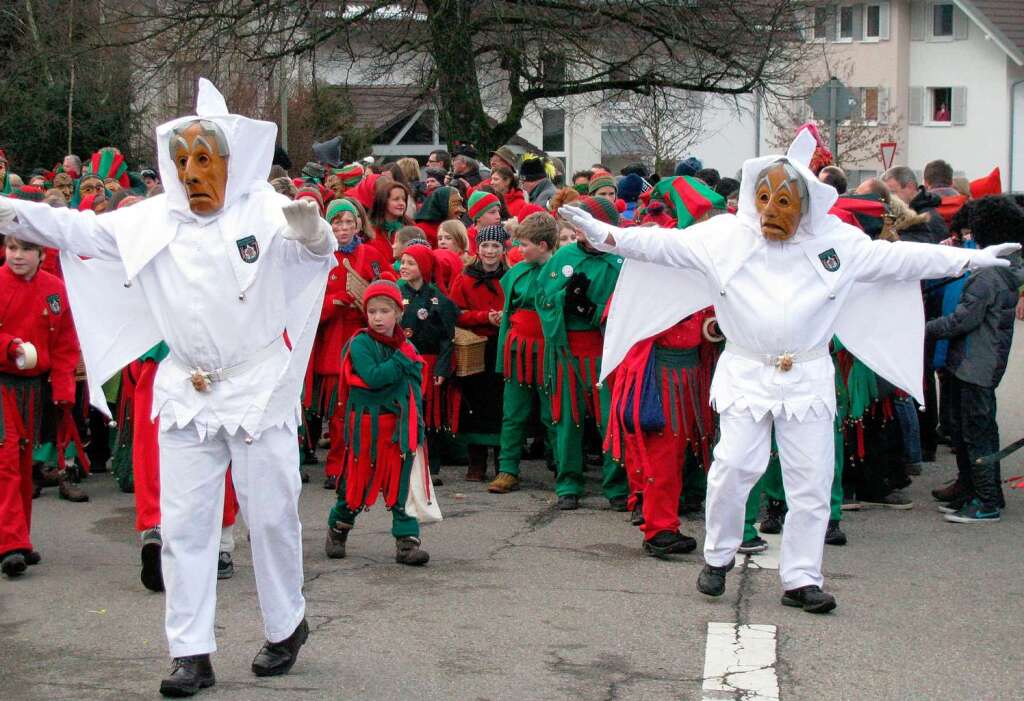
[(974, 434)]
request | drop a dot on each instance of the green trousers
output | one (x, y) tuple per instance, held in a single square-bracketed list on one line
[(402, 525), (771, 485), (517, 405), (569, 450)]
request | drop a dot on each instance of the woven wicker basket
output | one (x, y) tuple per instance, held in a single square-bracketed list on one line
[(354, 284), (469, 353)]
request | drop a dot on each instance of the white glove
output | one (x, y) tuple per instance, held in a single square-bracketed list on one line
[(993, 256), (7, 211), (596, 231), (305, 225)]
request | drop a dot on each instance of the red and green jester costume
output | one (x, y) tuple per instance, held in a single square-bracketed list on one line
[(34, 311)]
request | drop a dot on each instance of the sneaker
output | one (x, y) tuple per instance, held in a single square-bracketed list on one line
[(951, 507), (225, 566), (757, 544), (503, 484), (619, 504), (810, 598), (569, 502), (850, 504), (973, 512), (951, 491), (711, 580), (834, 534), (892, 500), (667, 543)]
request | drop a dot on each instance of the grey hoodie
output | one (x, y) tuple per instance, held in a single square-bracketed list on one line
[(980, 329)]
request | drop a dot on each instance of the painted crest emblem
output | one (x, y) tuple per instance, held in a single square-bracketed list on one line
[(567, 271), (422, 314), (248, 249), (829, 260), (53, 302)]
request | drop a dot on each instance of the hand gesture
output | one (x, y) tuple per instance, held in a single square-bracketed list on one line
[(993, 256), (595, 231)]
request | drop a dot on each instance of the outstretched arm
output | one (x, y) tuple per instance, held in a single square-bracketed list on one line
[(669, 247), (903, 260), (81, 233)]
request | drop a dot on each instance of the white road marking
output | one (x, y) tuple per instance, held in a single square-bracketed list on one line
[(739, 662), (769, 559)]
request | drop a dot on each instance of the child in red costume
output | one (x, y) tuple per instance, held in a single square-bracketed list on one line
[(340, 317), (37, 336)]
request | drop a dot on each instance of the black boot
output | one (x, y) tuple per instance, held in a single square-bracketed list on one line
[(775, 516), (275, 659), (667, 543), (188, 675), (152, 575), (477, 469), (569, 502), (409, 552), (810, 598), (711, 580), (13, 564), (69, 492), (834, 535), (637, 517), (337, 536)]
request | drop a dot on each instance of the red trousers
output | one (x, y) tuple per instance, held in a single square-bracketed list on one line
[(15, 475), (146, 458), (659, 478)]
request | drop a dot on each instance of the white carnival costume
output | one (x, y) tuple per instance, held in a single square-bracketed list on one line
[(778, 303), (236, 296)]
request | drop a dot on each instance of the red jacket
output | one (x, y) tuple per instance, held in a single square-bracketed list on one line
[(339, 318), (514, 201), (475, 299), (382, 245), (37, 311)]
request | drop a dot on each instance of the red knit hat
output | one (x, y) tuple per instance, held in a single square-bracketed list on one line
[(312, 192), (991, 184), (424, 258), (601, 208), (480, 201), (382, 288)]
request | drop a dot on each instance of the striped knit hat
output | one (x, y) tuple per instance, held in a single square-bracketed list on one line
[(481, 201), (311, 192), (494, 232), (106, 163), (690, 198), (601, 208), (351, 174), (31, 193), (601, 179)]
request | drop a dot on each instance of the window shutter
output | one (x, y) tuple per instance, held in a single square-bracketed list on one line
[(958, 111), (916, 107), (960, 23), (858, 22), (917, 20), (883, 21), (831, 24), (883, 105)]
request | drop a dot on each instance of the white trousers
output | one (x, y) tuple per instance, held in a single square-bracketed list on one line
[(807, 454), (267, 482)]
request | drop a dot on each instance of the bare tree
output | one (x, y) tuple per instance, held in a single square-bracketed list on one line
[(665, 123), (484, 62)]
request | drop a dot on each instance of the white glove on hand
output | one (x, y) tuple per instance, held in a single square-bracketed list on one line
[(305, 225), (7, 211), (993, 256), (596, 231)]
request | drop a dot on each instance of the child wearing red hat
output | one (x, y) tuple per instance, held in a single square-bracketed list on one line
[(429, 322), (380, 397)]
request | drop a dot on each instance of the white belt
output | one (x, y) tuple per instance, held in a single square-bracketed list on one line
[(203, 379), (783, 362)]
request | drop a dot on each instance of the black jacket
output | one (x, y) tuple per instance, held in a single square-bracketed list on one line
[(932, 231)]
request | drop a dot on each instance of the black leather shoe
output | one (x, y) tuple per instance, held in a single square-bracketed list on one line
[(275, 659), (32, 557), (667, 543), (810, 598), (834, 535), (711, 580), (188, 675), (775, 516), (570, 502), (152, 574), (13, 564)]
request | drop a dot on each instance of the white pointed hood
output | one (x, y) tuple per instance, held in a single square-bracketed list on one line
[(251, 147)]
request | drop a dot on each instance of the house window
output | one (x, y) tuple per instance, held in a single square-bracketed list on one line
[(554, 130), (869, 104), (941, 105), (553, 71), (942, 19), (872, 21), (845, 20), (821, 19)]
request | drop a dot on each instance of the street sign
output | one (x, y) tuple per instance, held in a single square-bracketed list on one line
[(888, 151), (833, 102)]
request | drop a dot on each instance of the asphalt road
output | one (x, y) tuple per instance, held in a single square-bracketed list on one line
[(521, 601)]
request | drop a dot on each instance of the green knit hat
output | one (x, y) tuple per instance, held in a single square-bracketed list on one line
[(690, 197), (600, 179), (481, 201), (340, 205)]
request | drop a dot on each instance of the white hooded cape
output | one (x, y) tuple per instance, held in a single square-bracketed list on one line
[(112, 316), (881, 323)]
